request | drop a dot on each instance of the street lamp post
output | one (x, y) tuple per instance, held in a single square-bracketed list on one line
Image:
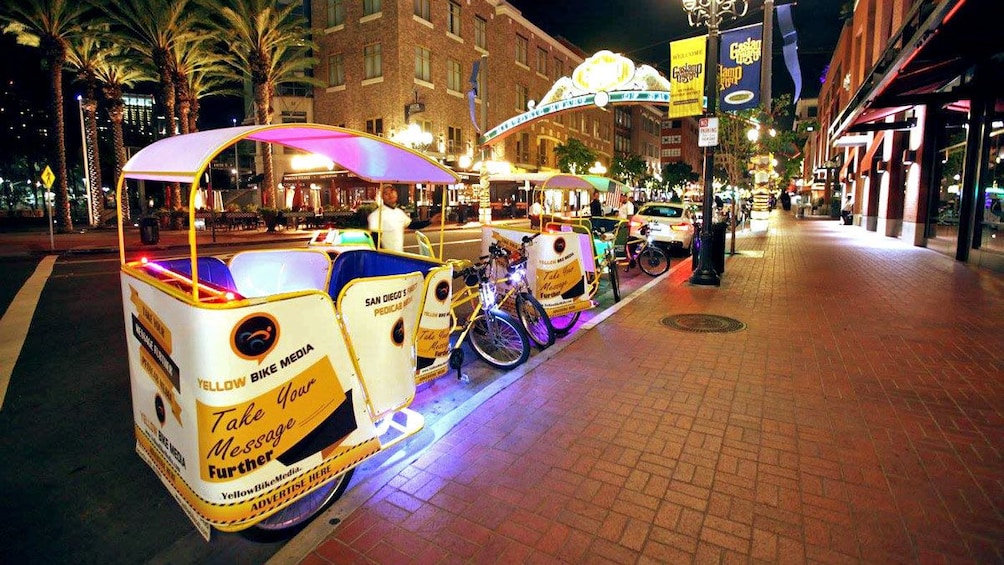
[(711, 13)]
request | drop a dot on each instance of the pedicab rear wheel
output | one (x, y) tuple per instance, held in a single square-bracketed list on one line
[(563, 322), (305, 509)]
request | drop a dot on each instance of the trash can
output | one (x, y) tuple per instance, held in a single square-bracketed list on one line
[(149, 230), (718, 231)]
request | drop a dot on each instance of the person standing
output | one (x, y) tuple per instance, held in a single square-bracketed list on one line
[(627, 207), (847, 212), (388, 221), (595, 206)]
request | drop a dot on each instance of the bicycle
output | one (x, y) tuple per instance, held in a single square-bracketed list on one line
[(495, 336), (649, 257), (519, 297)]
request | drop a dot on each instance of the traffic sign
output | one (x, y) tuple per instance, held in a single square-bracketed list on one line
[(48, 177), (707, 135)]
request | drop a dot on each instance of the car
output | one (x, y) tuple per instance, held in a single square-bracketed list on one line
[(673, 224)]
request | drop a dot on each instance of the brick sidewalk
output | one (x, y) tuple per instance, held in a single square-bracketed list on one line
[(858, 417)]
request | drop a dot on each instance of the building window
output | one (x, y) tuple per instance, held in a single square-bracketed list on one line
[(372, 54), (522, 44), (336, 70), (481, 85), (374, 126), (371, 7), (453, 19), (336, 13), (542, 153), (480, 32), (557, 70), (454, 140), (422, 10), (523, 148), (541, 61), (453, 76), (423, 64), (522, 97)]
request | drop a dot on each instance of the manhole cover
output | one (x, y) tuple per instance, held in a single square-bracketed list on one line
[(703, 323)]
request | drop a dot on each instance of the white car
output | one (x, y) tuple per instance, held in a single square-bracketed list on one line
[(673, 224)]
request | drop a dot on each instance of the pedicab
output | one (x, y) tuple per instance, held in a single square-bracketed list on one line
[(258, 385), (562, 265)]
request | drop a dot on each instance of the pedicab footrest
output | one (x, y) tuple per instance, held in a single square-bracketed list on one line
[(399, 426)]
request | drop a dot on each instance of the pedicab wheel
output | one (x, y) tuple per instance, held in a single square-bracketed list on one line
[(615, 286), (499, 340), (456, 359), (535, 320), (563, 323), (653, 261), (308, 507)]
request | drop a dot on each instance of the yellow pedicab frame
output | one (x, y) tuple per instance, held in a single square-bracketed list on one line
[(155, 307)]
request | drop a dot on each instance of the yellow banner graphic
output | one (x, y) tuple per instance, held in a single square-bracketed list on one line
[(687, 59), (433, 342), (152, 322), (162, 381), (254, 504), (557, 282), (238, 439)]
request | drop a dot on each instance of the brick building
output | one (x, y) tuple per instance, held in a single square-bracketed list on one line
[(911, 116)]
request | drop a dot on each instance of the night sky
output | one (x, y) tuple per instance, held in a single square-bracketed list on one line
[(642, 30)]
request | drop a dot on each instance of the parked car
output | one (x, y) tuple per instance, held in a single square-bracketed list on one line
[(674, 227)]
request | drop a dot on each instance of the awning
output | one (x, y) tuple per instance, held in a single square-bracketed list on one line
[(182, 158), (939, 42), (566, 182), (604, 184)]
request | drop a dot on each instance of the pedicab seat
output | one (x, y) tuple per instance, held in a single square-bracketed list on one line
[(356, 263), (211, 269)]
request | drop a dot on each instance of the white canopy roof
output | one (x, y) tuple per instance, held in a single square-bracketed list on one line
[(183, 157)]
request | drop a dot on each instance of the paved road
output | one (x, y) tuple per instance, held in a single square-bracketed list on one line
[(73, 487)]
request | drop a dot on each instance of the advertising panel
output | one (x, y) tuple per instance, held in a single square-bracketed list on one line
[(687, 58), (555, 268), (241, 409), (739, 68)]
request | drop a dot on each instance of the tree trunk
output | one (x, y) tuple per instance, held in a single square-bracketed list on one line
[(115, 113), (263, 113), (57, 58), (92, 161)]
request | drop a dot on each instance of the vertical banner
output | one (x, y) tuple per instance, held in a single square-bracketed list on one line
[(687, 58), (739, 68), (790, 36)]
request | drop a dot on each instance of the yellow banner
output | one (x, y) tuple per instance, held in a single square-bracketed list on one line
[(558, 282), (235, 440), (687, 59), (151, 321)]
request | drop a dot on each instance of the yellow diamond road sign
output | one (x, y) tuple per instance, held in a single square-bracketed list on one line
[(48, 177)]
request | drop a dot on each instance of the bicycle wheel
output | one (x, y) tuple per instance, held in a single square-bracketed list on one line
[(653, 261), (307, 507), (563, 323), (499, 340), (615, 286), (535, 320)]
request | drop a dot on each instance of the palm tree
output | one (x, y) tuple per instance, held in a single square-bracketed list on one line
[(117, 72), (208, 80), (270, 44), (49, 24), (191, 58), (152, 28), (84, 55)]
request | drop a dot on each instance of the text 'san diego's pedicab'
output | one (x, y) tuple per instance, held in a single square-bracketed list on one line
[(259, 384)]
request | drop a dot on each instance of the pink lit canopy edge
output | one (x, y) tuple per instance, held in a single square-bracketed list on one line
[(181, 158)]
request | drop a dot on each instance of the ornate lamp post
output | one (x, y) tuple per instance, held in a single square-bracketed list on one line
[(710, 13)]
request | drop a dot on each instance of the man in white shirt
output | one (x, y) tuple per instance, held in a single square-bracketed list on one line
[(388, 221), (627, 207)]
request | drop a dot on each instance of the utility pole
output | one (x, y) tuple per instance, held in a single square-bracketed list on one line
[(767, 54)]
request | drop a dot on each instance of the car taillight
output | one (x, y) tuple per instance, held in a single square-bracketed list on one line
[(685, 226)]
